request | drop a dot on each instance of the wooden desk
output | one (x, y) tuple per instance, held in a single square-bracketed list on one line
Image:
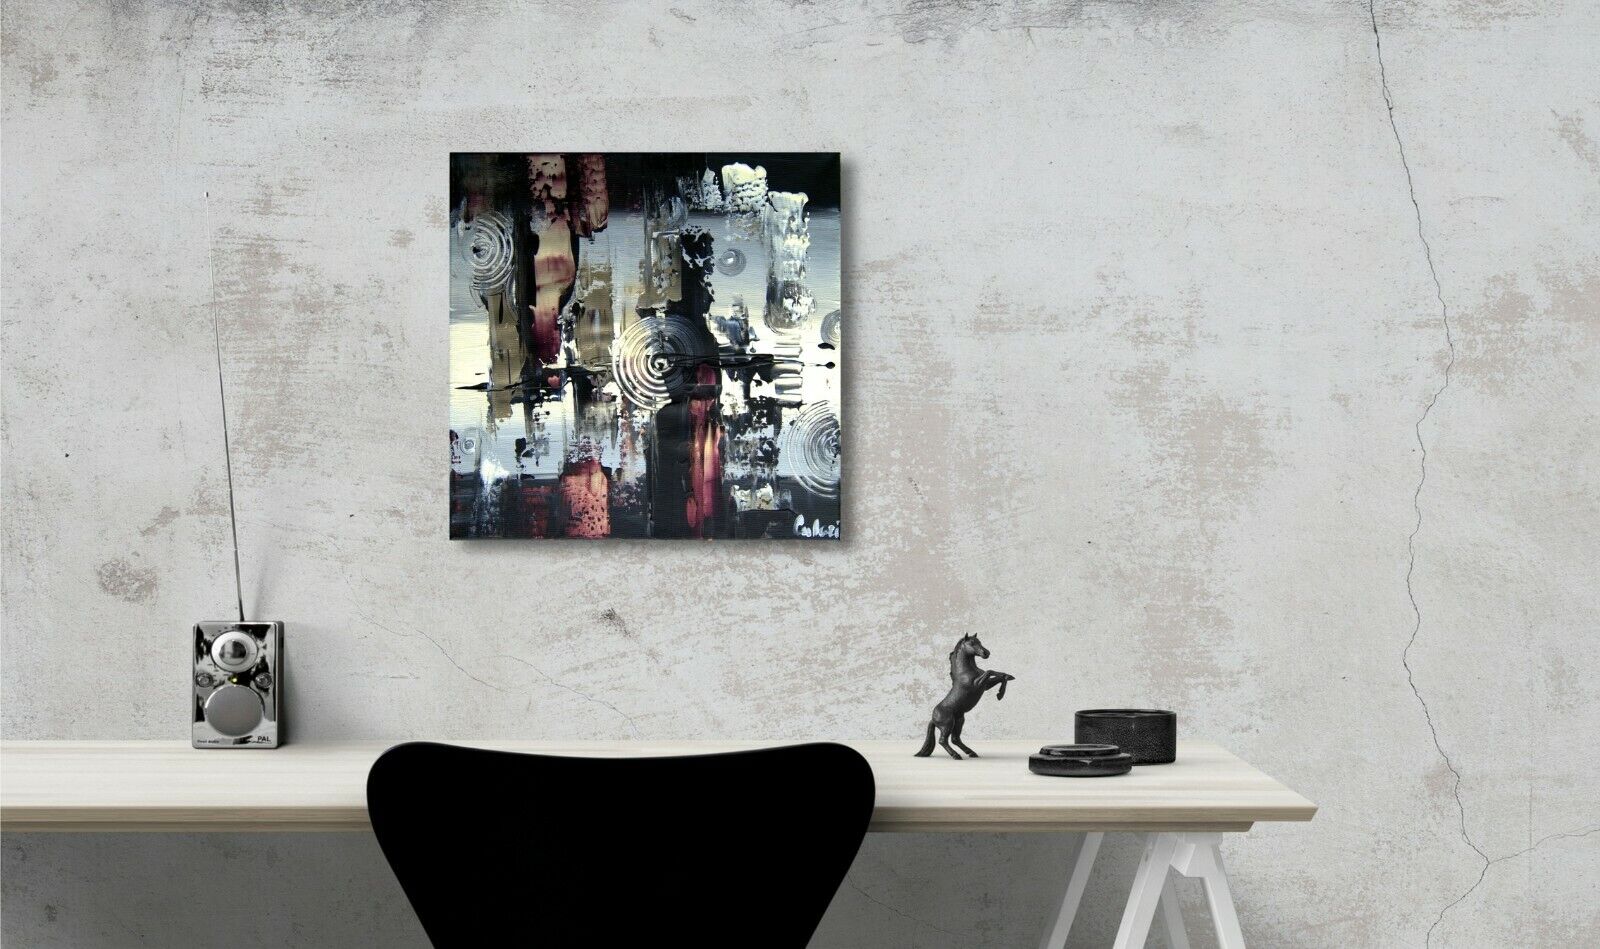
[(1180, 807)]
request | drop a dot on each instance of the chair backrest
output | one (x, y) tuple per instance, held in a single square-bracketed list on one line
[(742, 849)]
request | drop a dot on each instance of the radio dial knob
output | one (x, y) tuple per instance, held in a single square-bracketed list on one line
[(234, 651)]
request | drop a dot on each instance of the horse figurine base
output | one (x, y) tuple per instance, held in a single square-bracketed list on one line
[(967, 685)]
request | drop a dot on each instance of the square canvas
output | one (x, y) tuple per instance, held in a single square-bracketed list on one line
[(645, 345)]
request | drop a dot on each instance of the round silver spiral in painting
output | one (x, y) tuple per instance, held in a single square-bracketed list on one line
[(489, 249), (658, 358), (808, 449), (730, 263), (830, 329)]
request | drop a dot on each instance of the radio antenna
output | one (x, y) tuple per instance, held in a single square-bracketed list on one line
[(227, 457)]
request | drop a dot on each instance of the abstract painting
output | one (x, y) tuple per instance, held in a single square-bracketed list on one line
[(645, 345)]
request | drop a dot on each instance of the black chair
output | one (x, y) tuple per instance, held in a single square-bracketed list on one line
[(743, 849)]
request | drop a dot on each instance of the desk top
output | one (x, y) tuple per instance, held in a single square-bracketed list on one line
[(316, 786)]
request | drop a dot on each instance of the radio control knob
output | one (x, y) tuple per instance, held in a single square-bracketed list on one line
[(233, 710), (234, 651)]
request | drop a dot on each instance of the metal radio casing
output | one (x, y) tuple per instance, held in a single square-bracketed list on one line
[(237, 678)]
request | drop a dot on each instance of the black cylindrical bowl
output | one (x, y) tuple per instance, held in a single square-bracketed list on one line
[(1149, 735)]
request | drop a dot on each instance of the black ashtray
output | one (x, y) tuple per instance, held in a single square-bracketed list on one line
[(1149, 735), (1080, 761)]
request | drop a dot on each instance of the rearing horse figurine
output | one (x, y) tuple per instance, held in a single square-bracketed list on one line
[(967, 685)]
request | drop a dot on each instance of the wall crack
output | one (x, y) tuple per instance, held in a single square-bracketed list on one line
[(1489, 863), (1422, 478), (442, 651), (632, 725)]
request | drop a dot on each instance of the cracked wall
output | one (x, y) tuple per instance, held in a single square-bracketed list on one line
[(1205, 257)]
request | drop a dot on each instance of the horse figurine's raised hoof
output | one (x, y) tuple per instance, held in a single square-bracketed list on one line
[(967, 685)]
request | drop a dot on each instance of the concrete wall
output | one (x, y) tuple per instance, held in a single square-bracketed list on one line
[(1147, 310)]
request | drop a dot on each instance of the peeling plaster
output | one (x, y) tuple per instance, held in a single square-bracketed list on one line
[(123, 580)]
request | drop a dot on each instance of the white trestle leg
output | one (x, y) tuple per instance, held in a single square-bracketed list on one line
[(1198, 856), (1191, 855), (1148, 884)]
